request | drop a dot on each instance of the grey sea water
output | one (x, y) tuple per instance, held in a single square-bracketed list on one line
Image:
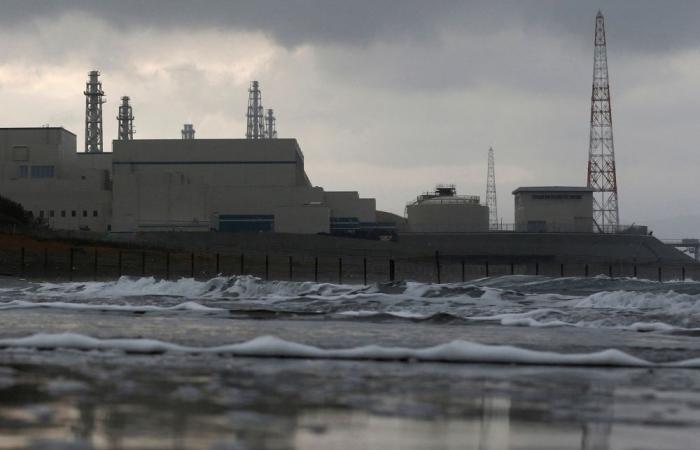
[(515, 362)]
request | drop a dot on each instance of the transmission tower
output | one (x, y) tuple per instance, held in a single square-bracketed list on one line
[(491, 193), (94, 98), (126, 121), (256, 122), (601, 151), (270, 128), (188, 131)]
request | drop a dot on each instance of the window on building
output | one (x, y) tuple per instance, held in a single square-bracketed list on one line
[(63, 213), (94, 213), (42, 171), (41, 214), (23, 171), (51, 213), (85, 213), (73, 213)]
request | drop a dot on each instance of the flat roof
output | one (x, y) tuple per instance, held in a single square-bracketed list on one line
[(37, 128), (553, 189)]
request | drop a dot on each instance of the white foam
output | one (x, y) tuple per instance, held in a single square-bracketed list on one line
[(526, 319), (247, 287), (186, 306), (651, 326), (270, 346)]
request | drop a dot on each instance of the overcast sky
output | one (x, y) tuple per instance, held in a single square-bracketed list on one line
[(386, 97)]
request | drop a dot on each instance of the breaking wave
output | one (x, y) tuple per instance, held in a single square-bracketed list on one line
[(457, 351), (525, 301)]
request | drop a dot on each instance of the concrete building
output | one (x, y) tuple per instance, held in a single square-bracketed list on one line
[(225, 185), (173, 184), (443, 211), (41, 170), (554, 209)]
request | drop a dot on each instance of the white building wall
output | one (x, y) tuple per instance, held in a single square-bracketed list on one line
[(348, 204), (309, 219), (554, 211), (429, 217), (76, 196)]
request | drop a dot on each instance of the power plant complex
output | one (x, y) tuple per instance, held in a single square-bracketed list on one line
[(259, 184)]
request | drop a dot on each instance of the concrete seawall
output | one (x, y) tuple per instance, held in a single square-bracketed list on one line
[(500, 248)]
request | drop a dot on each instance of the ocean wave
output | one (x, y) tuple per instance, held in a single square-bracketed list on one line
[(660, 309), (185, 306), (457, 351)]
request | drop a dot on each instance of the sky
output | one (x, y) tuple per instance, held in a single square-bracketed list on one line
[(386, 97)]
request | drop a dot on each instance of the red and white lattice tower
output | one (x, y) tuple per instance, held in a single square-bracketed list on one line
[(601, 152)]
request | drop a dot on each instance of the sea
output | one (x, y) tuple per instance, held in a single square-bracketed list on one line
[(511, 362)]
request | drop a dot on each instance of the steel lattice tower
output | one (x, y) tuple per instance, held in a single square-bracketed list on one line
[(94, 98), (256, 122), (188, 131), (270, 127), (491, 193), (125, 120), (601, 152)]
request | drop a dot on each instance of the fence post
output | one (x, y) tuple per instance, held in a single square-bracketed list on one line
[(242, 263), (364, 270), (316, 269), (291, 268), (585, 270), (143, 264), (660, 275), (192, 265), (561, 270), (94, 266), (267, 267), (340, 270), (218, 264), (70, 263), (46, 261), (635, 271), (537, 268), (486, 265), (683, 273), (512, 269), (119, 264), (392, 270), (21, 261), (464, 278), (610, 272), (167, 265), (437, 265)]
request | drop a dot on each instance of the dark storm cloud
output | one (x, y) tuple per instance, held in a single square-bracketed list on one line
[(640, 25)]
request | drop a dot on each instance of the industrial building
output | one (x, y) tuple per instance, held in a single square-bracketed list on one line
[(227, 185), (257, 184), (443, 211), (41, 170), (174, 184), (554, 209)]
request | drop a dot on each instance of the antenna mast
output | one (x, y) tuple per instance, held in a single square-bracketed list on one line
[(94, 98), (602, 177), (256, 123), (491, 193), (270, 128), (125, 120), (188, 131)]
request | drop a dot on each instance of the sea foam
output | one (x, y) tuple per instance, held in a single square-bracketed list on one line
[(457, 351)]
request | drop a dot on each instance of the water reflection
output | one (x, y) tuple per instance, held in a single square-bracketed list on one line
[(342, 406)]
